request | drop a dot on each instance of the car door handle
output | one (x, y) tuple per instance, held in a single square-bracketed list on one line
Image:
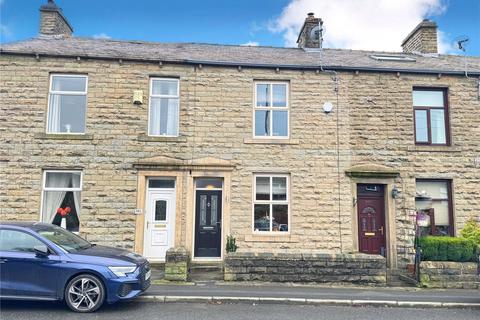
[(2, 260)]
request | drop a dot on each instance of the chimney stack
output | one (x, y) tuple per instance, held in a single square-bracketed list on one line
[(423, 39), (308, 37), (53, 22)]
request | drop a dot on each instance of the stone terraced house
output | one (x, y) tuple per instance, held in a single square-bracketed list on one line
[(292, 151)]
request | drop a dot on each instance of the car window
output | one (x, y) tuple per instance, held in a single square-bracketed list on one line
[(65, 239), (17, 241)]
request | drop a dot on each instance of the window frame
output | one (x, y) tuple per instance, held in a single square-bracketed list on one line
[(271, 202), (451, 220), (271, 108), (151, 95), (68, 93), (446, 122), (45, 189)]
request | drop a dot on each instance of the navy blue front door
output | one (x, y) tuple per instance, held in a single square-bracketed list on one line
[(208, 223)]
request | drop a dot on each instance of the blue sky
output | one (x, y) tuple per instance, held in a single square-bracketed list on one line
[(376, 25)]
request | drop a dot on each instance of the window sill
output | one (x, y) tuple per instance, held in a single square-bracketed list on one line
[(60, 136), (145, 138), (270, 238), (269, 141), (430, 148)]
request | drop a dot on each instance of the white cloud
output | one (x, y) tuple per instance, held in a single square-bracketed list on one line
[(358, 24), (101, 36), (251, 44)]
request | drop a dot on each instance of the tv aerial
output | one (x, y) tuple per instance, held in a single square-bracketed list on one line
[(462, 42)]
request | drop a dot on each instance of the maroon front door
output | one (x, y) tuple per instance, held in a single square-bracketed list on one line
[(371, 218)]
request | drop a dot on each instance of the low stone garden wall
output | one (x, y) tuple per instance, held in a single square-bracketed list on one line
[(447, 274), (177, 263), (322, 268)]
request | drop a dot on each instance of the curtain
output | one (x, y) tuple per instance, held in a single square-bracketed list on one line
[(76, 198), (172, 117), (155, 117), (54, 113), (53, 199)]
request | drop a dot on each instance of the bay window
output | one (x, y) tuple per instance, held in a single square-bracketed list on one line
[(61, 198), (271, 203), (164, 107), (67, 104)]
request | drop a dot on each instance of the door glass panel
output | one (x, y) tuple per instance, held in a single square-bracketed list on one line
[(262, 217), (160, 210), (213, 212), (421, 127), (437, 119), (279, 188), (262, 188), (209, 183), (280, 217), (159, 184), (203, 210)]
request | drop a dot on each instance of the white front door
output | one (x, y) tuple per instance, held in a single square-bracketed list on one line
[(159, 224)]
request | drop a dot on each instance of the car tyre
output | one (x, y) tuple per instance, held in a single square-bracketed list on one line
[(84, 293)]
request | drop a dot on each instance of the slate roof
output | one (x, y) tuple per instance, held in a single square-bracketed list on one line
[(339, 59)]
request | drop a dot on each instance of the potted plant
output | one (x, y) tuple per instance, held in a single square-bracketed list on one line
[(63, 212)]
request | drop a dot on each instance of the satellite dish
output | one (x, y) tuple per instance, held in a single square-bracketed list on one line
[(327, 107), (315, 32), (461, 42)]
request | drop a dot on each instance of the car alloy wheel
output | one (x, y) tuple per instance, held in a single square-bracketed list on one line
[(84, 293)]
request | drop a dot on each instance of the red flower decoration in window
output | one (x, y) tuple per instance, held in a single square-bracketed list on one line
[(64, 211)]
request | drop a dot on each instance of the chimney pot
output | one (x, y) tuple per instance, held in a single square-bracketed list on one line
[(305, 39)]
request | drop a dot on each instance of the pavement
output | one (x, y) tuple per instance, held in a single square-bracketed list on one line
[(250, 292), (219, 311)]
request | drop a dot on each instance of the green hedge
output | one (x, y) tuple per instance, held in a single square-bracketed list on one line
[(448, 249)]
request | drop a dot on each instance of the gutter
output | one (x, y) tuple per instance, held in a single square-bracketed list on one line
[(253, 65)]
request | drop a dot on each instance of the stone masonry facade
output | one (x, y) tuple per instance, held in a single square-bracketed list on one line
[(375, 125), (367, 138)]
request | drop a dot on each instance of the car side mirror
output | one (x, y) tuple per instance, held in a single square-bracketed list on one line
[(41, 250)]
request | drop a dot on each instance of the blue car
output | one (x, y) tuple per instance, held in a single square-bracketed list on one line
[(40, 261)]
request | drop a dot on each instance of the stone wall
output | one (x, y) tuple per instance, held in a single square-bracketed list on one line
[(324, 268), (447, 274), (177, 264)]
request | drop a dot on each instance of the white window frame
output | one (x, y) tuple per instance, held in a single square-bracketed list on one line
[(272, 108), (271, 202), (45, 188), (71, 93), (177, 96)]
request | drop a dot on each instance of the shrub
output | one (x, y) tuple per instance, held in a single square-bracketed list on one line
[(447, 249), (471, 231), (231, 244)]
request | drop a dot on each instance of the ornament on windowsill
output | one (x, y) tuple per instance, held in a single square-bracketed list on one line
[(63, 212)]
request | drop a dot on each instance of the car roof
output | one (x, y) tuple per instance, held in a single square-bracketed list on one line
[(32, 225)]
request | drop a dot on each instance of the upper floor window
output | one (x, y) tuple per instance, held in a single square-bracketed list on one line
[(271, 203), (61, 198), (67, 104), (164, 107), (271, 110), (431, 116)]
